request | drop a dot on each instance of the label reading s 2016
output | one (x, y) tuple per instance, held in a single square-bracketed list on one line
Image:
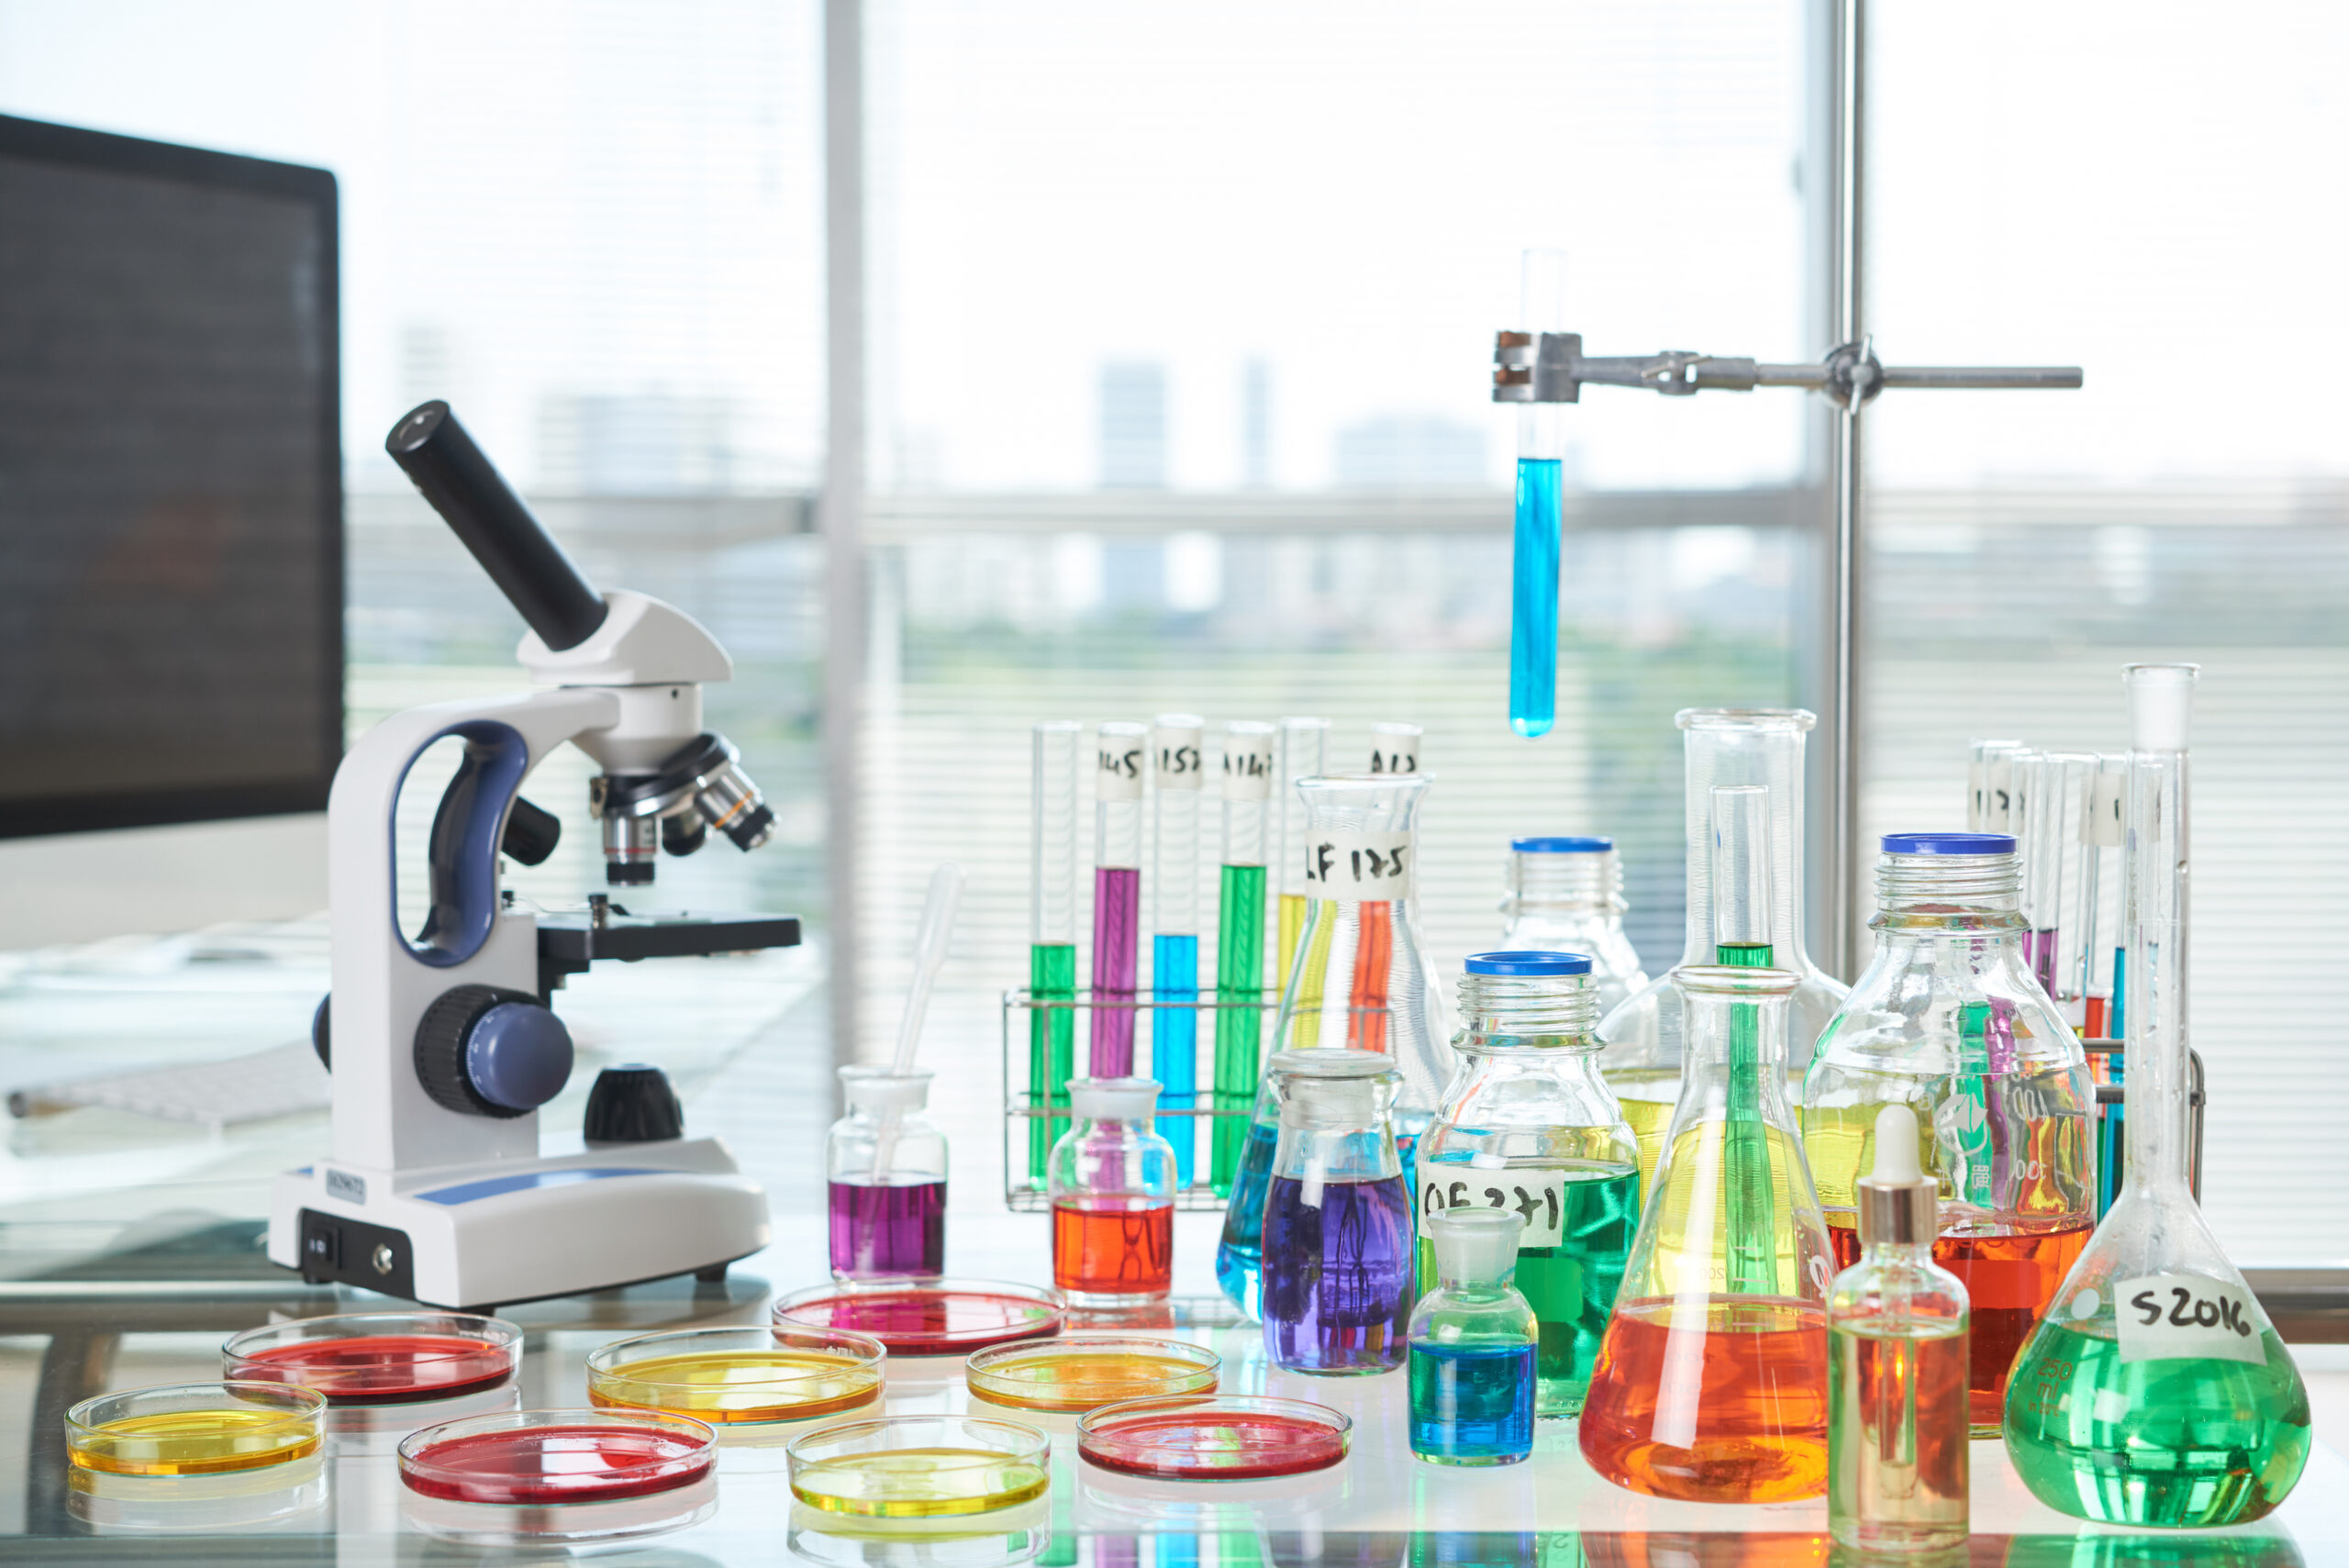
[(1349, 866), (2171, 1317), (1539, 1196)]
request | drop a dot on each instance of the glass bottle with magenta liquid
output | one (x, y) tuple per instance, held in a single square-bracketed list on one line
[(1472, 1339), (1530, 1129), (886, 1169), (1566, 894), (1112, 1184), (1950, 1020)]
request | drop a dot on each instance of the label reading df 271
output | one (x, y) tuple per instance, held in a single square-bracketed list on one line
[(2171, 1317), (1538, 1196)]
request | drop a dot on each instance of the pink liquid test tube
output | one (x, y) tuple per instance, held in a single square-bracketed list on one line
[(1122, 758)]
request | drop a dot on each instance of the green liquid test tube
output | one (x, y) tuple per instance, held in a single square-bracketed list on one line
[(1052, 937), (1240, 941)]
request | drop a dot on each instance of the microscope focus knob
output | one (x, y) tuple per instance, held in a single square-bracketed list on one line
[(633, 1104), (481, 1051)]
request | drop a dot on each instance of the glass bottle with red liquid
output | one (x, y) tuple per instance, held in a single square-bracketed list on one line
[(885, 1179), (1112, 1183), (1950, 1020)]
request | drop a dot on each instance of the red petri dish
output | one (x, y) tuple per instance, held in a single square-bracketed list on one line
[(531, 1458), (379, 1358), (928, 1317), (1213, 1437)]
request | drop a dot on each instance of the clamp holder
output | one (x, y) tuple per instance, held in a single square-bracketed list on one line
[(1550, 367)]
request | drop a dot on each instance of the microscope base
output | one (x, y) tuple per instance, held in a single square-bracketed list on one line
[(489, 1235)]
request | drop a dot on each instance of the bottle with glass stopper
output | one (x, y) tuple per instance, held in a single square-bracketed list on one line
[(1566, 894), (1472, 1344), (2156, 1390), (885, 1165), (1897, 1428), (1112, 1184)]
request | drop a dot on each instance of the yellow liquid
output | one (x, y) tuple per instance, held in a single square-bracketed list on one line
[(1692, 1239), (194, 1442), (920, 1483), (739, 1386), (1291, 916), (1081, 1382), (1647, 1097), (2049, 1167)]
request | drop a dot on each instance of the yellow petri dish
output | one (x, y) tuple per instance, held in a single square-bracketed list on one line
[(913, 1467), (1073, 1375), (739, 1376), (195, 1428)]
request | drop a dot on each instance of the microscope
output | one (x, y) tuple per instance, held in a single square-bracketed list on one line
[(444, 1043)]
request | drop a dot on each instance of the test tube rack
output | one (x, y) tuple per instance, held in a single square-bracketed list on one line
[(1023, 1104)]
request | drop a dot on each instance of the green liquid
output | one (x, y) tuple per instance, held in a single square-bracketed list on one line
[(1052, 1045), (1571, 1286), (1239, 977), (1745, 1149), (2185, 1443)]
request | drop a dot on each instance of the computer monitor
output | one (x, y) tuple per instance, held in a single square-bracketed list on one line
[(171, 484)]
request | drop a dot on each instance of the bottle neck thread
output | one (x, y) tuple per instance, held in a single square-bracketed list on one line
[(1511, 1012), (1548, 882), (1979, 892)]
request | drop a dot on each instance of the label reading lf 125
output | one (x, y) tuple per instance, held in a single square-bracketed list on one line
[(1358, 865)]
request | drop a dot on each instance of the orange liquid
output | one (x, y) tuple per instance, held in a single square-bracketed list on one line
[(2009, 1281), (1721, 1403), (1367, 1003), (1113, 1246)]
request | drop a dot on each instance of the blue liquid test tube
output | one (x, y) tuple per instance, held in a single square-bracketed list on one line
[(1177, 745), (1541, 449)]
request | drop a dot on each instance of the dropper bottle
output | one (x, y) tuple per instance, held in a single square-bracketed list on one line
[(1897, 1403)]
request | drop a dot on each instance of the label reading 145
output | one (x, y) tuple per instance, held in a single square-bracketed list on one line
[(2168, 1317), (1539, 1196)]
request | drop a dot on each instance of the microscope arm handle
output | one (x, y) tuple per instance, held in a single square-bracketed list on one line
[(519, 555)]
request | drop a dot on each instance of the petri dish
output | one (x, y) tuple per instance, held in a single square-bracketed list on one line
[(535, 1458), (927, 1317), (1213, 1437), (195, 1428), (379, 1358), (730, 1376), (1085, 1372), (909, 1467)]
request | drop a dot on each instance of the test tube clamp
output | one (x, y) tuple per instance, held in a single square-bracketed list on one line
[(1550, 367)]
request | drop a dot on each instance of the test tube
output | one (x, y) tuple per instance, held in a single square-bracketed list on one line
[(1989, 807), (1302, 749), (1540, 446), (2102, 834), (1176, 745), (1742, 876), (1396, 748), (1742, 940), (1051, 931), (1122, 756), (2056, 872), (1240, 938)]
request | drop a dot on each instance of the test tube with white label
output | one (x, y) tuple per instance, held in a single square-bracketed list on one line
[(1300, 752), (1989, 778), (1176, 745), (1240, 938), (1396, 748), (1121, 758), (1052, 930)]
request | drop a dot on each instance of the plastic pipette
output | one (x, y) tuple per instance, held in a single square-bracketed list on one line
[(929, 951)]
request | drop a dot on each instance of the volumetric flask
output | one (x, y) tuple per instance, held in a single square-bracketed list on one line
[(1337, 1235), (1723, 747), (1566, 894), (1711, 1383), (1949, 1020), (2156, 1390)]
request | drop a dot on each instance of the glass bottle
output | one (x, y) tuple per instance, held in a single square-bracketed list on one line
[(1949, 1020), (885, 1169), (1644, 1035), (1530, 1127), (1566, 894), (1113, 1197), (1472, 1344), (1712, 1382), (1897, 1429), (1336, 1229), (2156, 1390)]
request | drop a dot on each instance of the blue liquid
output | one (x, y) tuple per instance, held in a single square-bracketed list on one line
[(1472, 1403), (1238, 1257), (1337, 1274), (1534, 607), (1175, 1043)]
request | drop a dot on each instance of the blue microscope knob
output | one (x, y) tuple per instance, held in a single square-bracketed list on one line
[(481, 1051)]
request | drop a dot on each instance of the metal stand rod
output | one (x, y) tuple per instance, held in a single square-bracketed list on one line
[(1848, 122)]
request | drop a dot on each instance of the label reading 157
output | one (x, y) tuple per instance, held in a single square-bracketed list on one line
[(1538, 1196), (2167, 1317)]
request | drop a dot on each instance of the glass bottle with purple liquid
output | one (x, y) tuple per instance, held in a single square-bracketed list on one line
[(885, 1170), (1337, 1237)]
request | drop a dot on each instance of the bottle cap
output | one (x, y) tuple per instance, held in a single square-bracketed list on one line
[(1949, 844), (1528, 963), (1557, 846), (1113, 1099), (878, 1089), (1475, 1246), (2161, 700), (1897, 1200)]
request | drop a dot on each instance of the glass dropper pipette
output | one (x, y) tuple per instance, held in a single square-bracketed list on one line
[(1240, 938), (1178, 765), (1122, 758), (1051, 930), (1541, 447)]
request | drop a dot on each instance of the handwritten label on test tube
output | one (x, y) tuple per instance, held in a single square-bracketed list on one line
[(2176, 1316), (1999, 797), (1538, 1196), (1395, 748), (2104, 828), (1178, 762), (1350, 866), (1117, 774), (1247, 767)]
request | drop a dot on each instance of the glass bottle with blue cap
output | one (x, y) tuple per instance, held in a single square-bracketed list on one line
[(1566, 894), (1530, 1127), (1949, 1019)]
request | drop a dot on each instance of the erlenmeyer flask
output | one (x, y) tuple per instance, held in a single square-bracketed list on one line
[(1711, 1383), (2156, 1390), (1644, 1035)]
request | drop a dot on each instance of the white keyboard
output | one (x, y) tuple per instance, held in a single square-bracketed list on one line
[(284, 1080)]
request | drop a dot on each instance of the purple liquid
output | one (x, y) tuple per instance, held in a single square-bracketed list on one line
[(888, 1229), (1337, 1277), (1117, 938)]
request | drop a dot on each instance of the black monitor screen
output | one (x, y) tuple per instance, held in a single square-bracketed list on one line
[(170, 493)]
